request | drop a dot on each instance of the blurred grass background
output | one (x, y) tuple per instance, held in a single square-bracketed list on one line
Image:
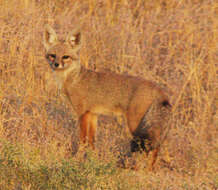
[(173, 43)]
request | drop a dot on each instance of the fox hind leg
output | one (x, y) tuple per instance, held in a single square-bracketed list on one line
[(154, 154)]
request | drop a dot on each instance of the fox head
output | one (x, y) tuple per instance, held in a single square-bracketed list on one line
[(62, 56)]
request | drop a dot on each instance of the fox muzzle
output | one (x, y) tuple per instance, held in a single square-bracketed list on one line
[(53, 65)]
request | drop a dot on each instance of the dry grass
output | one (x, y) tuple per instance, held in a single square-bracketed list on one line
[(171, 42)]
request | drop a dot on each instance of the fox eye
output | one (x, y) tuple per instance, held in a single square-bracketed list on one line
[(52, 57), (65, 57)]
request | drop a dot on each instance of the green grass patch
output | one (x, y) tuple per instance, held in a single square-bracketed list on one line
[(19, 171)]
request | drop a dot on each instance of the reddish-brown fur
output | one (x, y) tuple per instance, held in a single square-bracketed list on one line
[(144, 106)]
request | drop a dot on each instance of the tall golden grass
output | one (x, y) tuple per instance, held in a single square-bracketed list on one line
[(173, 43)]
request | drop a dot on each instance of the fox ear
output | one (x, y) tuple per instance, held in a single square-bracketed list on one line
[(75, 39), (50, 37)]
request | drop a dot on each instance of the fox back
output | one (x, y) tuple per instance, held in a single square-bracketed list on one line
[(91, 93)]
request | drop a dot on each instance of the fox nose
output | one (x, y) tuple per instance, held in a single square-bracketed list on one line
[(53, 65), (56, 64)]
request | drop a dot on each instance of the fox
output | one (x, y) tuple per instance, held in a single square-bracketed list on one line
[(144, 106)]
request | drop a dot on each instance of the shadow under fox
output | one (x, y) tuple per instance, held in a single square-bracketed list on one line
[(143, 104)]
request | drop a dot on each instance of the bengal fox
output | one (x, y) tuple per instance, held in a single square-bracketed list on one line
[(144, 106)]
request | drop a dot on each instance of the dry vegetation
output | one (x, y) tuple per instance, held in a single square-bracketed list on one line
[(173, 43)]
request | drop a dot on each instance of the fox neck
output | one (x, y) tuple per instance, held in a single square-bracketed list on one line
[(71, 73)]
